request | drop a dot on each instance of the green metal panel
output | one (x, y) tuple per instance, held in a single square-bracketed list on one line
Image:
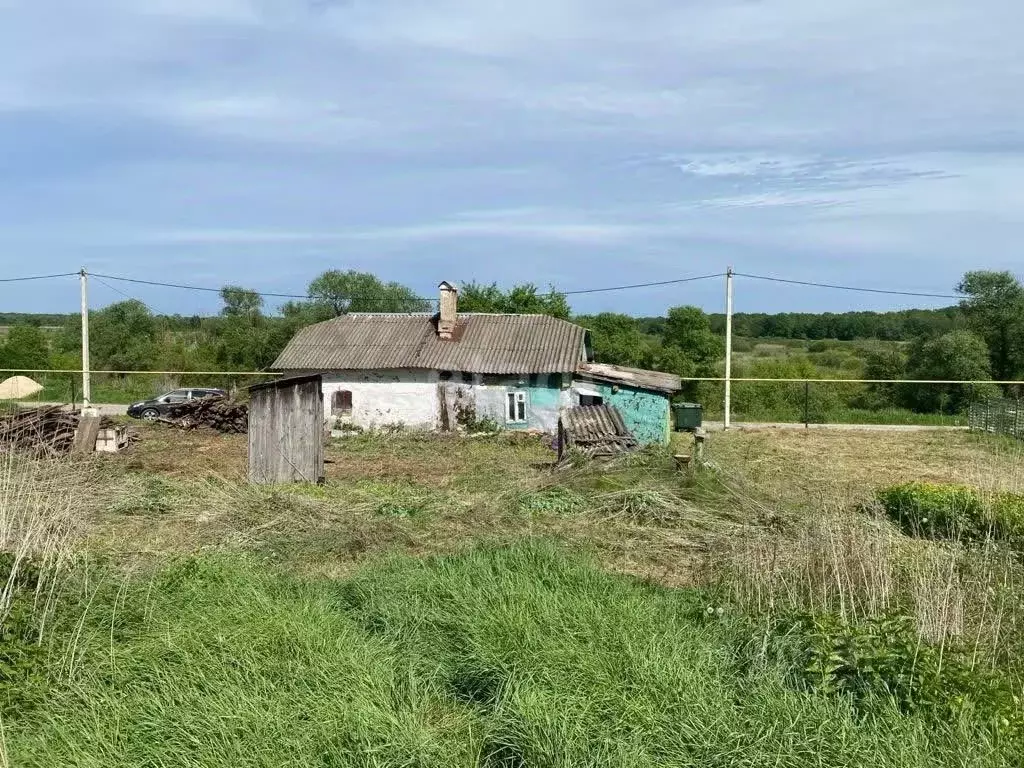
[(645, 413)]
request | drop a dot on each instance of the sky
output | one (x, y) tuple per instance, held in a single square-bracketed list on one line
[(574, 143)]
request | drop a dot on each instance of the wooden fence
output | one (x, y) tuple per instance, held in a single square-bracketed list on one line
[(997, 417)]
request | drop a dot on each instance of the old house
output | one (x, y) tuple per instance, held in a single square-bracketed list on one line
[(437, 371)]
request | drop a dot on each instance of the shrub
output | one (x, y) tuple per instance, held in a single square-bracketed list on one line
[(947, 511), (884, 659)]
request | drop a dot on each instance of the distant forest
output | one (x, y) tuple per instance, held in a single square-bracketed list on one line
[(982, 338), (903, 325)]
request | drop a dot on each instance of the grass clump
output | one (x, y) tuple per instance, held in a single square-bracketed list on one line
[(959, 512), (217, 662), (557, 500)]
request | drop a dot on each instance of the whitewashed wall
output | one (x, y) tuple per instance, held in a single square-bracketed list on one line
[(386, 397)]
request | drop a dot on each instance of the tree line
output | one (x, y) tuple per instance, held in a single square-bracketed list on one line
[(980, 338)]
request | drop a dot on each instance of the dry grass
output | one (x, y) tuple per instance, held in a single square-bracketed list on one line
[(182, 493), (820, 468), (41, 507), (826, 553)]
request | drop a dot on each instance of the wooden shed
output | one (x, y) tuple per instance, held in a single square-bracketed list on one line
[(286, 431)]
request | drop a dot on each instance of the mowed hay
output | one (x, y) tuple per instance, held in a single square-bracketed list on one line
[(836, 467)]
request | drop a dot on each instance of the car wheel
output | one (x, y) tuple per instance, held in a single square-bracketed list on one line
[(150, 414)]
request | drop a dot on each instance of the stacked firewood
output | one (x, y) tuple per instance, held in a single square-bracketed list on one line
[(43, 432), (217, 413)]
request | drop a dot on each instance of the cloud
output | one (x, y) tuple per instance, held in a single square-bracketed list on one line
[(531, 140)]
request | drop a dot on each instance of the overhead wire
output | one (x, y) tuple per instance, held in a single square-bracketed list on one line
[(37, 277), (576, 292), (887, 292), (643, 285)]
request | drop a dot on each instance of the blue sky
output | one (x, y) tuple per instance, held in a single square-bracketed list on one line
[(582, 143)]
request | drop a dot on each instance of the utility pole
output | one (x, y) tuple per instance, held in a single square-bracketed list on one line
[(86, 390), (728, 347)]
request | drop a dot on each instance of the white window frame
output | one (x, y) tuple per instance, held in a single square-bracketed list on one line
[(516, 402)]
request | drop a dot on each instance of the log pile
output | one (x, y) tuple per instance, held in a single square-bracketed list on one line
[(217, 413), (45, 432)]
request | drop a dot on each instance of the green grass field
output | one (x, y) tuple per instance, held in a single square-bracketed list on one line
[(515, 656), (449, 601)]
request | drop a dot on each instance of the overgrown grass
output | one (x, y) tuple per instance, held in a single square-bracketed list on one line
[(521, 656)]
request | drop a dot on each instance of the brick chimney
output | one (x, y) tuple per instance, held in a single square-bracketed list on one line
[(449, 310)]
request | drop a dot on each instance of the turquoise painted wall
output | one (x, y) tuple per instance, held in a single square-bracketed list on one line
[(543, 402), (645, 413)]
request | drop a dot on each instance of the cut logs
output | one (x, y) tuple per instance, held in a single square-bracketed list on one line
[(217, 413), (45, 432)]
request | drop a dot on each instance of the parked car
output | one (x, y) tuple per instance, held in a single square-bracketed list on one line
[(160, 406)]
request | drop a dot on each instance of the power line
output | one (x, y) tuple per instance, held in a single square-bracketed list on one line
[(193, 287), (849, 287), (643, 285), (578, 292), (36, 277), (118, 290)]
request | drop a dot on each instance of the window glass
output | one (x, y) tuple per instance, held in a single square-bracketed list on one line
[(516, 407), (341, 403)]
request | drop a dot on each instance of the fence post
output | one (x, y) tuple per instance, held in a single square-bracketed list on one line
[(807, 405)]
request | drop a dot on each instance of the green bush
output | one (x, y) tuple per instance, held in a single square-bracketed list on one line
[(884, 660), (946, 511)]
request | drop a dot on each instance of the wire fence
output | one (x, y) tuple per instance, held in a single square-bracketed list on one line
[(846, 401), (985, 405), (126, 387), (998, 417)]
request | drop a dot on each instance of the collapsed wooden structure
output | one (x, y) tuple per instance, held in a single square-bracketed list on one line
[(594, 431), (52, 431)]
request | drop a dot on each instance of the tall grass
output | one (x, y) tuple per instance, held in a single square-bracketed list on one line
[(41, 506), (519, 656)]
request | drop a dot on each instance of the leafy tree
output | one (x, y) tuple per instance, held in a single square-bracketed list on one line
[(122, 336), (26, 349), (336, 293), (994, 307), (955, 356), (688, 330), (244, 335), (523, 299), (885, 365), (240, 302)]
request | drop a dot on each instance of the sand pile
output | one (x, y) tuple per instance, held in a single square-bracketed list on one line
[(18, 387)]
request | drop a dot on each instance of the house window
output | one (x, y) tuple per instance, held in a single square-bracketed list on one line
[(467, 377), (341, 403), (516, 407), (591, 400)]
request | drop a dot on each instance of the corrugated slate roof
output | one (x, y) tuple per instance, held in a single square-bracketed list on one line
[(494, 344), (594, 422), (632, 377), (594, 430)]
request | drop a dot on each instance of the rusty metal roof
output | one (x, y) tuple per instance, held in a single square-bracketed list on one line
[(668, 383), (482, 343)]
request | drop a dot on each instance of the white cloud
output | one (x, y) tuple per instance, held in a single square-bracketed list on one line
[(537, 133)]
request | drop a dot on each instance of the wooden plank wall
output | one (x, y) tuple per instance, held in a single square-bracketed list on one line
[(286, 433)]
